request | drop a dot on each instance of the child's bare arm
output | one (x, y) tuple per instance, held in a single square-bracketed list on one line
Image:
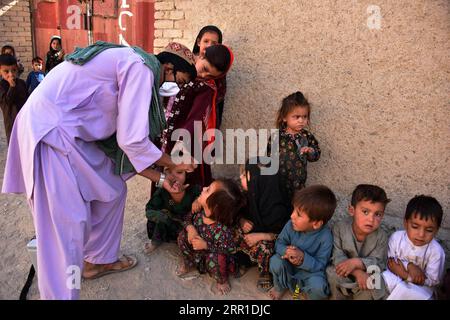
[(416, 274), (196, 206), (347, 267), (396, 267)]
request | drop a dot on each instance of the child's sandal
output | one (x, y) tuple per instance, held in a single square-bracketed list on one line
[(265, 282)]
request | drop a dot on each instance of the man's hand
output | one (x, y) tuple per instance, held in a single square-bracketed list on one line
[(246, 225), (198, 243), (172, 185), (417, 275)]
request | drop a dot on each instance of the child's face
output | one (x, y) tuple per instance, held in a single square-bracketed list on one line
[(180, 78), (55, 45), (207, 191), (179, 175), (367, 216), (37, 66), (205, 70), (9, 51), (301, 222), (244, 180), (420, 231), (208, 39), (297, 119), (8, 72)]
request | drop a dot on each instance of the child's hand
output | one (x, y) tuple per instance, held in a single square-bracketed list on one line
[(417, 275), (252, 239), (345, 268), (246, 225), (191, 233), (304, 150), (198, 243), (61, 54), (11, 80), (196, 207), (397, 268), (361, 278), (294, 255)]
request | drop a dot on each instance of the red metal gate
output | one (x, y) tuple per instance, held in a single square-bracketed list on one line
[(82, 22)]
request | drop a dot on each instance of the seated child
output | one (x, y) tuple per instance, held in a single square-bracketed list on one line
[(167, 211), (360, 247), (267, 212), (36, 76), (415, 258), (206, 240), (304, 246), (13, 92)]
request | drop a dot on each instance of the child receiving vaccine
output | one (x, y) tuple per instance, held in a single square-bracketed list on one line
[(206, 240)]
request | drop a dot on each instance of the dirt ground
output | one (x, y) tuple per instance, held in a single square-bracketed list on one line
[(153, 278)]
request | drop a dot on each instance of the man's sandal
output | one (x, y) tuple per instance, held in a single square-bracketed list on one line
[(127, 262)]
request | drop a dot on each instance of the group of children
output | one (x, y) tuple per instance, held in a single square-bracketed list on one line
[(280, 225), (14, 91)]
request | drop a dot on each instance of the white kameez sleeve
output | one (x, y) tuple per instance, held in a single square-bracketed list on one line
[(135, 81), (434, 270)]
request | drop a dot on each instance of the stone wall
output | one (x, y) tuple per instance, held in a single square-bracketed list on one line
[(15, 25), (171, 24)]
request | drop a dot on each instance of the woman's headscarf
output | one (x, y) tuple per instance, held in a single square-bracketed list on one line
[(269, 208)]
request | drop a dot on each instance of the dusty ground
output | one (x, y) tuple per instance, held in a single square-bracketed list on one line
[(153, 278)]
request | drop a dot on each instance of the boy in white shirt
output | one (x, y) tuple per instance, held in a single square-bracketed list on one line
[(415, 258)]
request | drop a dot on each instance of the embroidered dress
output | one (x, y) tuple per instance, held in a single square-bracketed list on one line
[(165, 217), (293, 165), (217, 259)]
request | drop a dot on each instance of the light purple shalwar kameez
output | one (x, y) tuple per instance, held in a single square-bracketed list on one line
[(76, 200)]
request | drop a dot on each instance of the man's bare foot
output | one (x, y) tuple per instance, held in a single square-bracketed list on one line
[(151, 246), (274, 294), (223, 288)]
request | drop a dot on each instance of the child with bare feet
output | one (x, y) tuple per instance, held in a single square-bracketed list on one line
[(304, 246), (166, 211), (206, 240)]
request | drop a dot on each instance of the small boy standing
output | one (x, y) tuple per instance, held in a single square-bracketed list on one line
[(304, 246), (13, 92), (360, 247), (36, 76), (415, 258)]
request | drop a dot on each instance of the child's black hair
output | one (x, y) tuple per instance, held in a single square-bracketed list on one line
[(37, 59), (210, 28), (7, 60), (426, 207), (368, 192), (226, 203), (296, 99), (317, 201), (219, 57), (8, 47), (179, 64)]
